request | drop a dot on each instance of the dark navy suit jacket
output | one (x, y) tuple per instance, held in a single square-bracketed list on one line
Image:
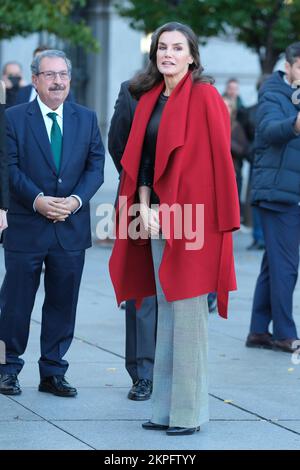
[(23, 94), (32, 170), (4, 193)]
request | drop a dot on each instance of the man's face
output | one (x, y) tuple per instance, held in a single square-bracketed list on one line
[(51, 86), (293, 71)]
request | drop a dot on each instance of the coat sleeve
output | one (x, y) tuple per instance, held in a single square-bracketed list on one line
[(19, 183), (272, 124), (120, 125), (228, 212)]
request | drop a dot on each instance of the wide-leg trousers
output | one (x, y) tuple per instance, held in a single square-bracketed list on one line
[(180, 381)]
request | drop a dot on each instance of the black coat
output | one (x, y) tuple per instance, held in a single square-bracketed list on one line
[(4, 183), (121, 124)]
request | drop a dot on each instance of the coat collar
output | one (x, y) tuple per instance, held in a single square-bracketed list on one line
[(40, 133), (171, 130)]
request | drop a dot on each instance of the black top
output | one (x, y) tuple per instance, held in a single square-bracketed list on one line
[(146, 171)]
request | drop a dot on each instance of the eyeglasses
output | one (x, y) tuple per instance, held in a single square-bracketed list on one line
[(49, 75)]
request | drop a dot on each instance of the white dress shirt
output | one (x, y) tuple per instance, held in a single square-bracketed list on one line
[(48, 124), (47, 120)]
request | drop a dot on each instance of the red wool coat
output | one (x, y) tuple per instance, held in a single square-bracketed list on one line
[(193, 165)]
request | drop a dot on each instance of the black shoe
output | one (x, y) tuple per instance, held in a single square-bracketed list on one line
[(141, 390), (154, 427), (9, 384), (182, 431), (57, 385), (260, 340)]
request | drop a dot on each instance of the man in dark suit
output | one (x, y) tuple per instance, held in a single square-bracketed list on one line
[(56, 160), (140, 324), (4, 194)]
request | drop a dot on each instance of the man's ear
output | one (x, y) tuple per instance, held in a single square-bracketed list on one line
[(34, 79), (287, 68)]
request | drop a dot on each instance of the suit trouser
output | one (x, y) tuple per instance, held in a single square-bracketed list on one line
[(180, 382), (140, 338), (273, 296), (63, 270)]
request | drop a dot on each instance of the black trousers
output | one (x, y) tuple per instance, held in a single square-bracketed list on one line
[(140, 338)]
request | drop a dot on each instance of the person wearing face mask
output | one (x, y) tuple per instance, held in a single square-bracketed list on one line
[(275, 191), (177, 207), (12, 77)]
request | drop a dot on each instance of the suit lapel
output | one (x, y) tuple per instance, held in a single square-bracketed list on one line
[(39, 131), (69, 134)]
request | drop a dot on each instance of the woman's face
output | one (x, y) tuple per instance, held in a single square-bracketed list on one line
[(173, 55)]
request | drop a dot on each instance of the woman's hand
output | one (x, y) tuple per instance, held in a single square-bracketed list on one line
[(150, 219)]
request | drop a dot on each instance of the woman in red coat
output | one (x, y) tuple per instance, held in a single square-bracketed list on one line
[(178, 168)]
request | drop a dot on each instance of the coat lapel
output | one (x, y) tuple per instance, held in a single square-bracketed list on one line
[(172, 128), (38, 128), (132, 153), (70, 124)]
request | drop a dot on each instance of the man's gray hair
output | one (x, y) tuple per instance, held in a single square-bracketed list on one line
[(35, 65)]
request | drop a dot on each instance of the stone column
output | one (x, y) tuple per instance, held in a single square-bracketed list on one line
[(98, 15)]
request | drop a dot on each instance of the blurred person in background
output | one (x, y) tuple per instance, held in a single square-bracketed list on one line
[(232, 92), (12, 76), (247, 117), (239, 142)]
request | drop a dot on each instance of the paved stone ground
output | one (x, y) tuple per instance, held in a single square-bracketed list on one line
[(254, 394)]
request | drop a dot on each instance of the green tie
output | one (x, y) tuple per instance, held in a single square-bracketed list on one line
[(56, 140)]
